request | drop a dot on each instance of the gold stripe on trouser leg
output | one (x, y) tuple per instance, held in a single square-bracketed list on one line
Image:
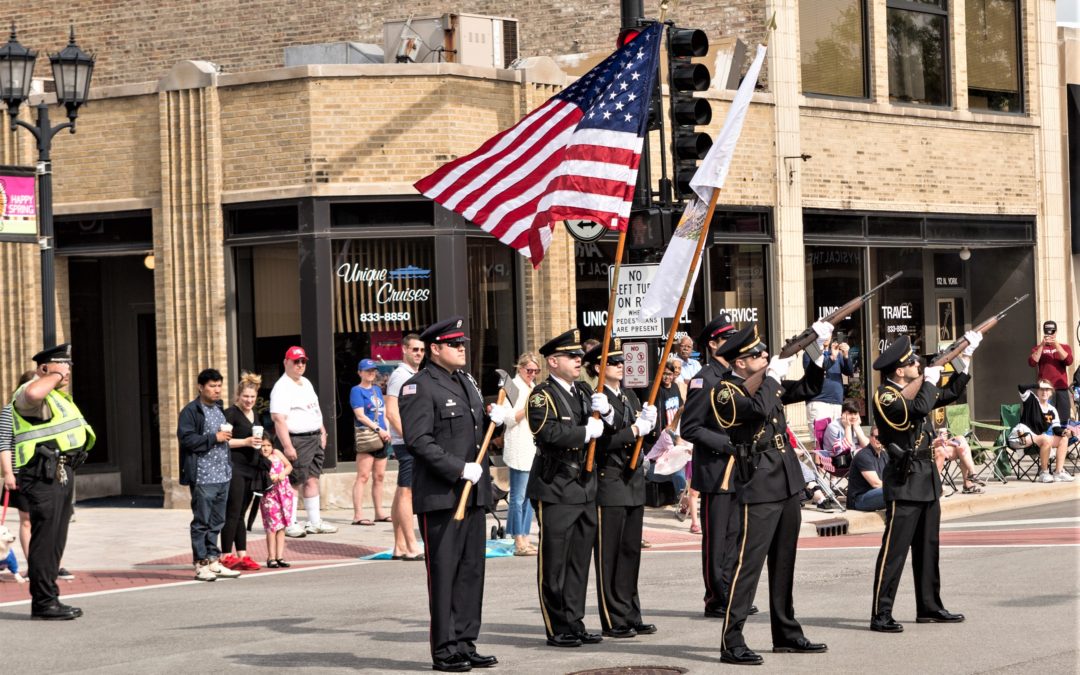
[(540, 567), (735, 576), (600, 557), (884, 557)]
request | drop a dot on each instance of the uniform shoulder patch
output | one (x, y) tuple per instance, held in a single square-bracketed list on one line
[(538, 400), (408, 390), (724, 395), (888, 398), (697, 383)]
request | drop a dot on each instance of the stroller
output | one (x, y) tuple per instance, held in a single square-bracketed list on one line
[(498, 530), (806, 458)]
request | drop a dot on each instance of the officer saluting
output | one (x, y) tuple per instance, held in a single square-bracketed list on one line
[(620, 498), (442, 417), (911, 481), (51, 441), (769, 481), (562, 492)]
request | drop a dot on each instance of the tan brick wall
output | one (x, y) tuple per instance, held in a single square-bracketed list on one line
[(266, 134)]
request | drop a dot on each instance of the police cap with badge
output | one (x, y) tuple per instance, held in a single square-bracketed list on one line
[(568, 344), (446, 332), (719, 328), (614, 355), (741, 344), (57, 354), (897, 354)]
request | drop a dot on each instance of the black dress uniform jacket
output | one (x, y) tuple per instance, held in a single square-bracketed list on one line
[(616, 485), (712, 447), (443, 424), (907, 424), (557, 421)]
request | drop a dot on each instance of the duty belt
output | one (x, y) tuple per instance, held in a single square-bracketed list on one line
[(922, 454), (767, 444)]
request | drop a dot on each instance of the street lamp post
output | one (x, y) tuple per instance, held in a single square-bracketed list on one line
[(72, 68)]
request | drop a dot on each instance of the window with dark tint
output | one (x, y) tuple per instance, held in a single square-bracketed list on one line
[(892, 227), (992, 55), (734, 222), (492, 269), (918, 49), (262, 220), (832, 43), (375, 214), (116, 230), (827, 224), (979, 230)]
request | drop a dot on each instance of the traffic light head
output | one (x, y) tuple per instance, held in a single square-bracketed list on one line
[(688, 145)]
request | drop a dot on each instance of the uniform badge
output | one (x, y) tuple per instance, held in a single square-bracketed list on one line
[(724, 396), (450, 402), (408, 390), (697, 383), (537, 401), (888, 398)]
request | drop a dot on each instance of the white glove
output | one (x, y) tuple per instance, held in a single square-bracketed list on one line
[(648, 412), (472, 472), (500, 413), (601, 404), (644, 424), (932, 374), (594, 428), (824, 331), (778, 367), (973, 337)]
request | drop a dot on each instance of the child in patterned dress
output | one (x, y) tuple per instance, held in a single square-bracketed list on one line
[(276, 505)]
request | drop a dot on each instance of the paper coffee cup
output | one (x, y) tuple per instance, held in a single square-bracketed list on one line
[(226, 427), (257, 431)]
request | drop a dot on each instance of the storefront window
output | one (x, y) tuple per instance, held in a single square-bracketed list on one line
[(898, 306), (831, 42), (492, 314), (835, 277), (592, 261), (993, 49), (738, 280), (383, 290)]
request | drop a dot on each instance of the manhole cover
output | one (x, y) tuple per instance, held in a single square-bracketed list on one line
[(632, 670)]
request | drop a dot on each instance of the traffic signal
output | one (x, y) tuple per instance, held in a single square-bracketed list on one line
[(650, 228), (688, 146)]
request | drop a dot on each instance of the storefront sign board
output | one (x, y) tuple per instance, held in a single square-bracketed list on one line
[(636, 373), (18, 203)]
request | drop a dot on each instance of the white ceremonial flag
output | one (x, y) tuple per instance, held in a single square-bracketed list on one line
[(667, 286)]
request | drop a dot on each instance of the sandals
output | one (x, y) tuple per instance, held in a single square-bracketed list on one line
[(973, 489), (366, 522), (695, 529), (683, 508), (384, 519)]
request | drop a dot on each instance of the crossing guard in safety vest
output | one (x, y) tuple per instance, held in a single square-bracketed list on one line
[(51, 441)]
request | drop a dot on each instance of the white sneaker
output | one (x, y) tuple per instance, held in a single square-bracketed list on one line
[(203, 573), (222, 572), (295, 531), (322, 527), (1046, 477), (1063, 477)]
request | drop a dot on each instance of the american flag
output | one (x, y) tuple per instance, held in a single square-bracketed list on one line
[(576, 156)]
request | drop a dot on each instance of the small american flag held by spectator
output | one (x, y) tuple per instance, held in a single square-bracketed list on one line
[(576, 156)]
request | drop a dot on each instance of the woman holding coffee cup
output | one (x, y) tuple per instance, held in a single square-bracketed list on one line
[(249, 474)]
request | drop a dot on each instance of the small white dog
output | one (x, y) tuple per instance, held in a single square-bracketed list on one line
[(7, 556)]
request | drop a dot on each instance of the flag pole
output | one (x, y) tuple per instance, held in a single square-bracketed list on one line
[(590, 456), (655, 389)]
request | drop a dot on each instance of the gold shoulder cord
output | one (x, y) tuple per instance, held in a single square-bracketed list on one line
[(726, 396), (903, 426), (541, 398)]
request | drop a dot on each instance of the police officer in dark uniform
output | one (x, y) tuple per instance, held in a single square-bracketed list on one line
[(563, 494), (620, 498), (713, 463), (769, 483), (442, 417), (51, 439), (911, 482)]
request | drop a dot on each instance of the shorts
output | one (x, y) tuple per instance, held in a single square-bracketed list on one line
[(309, 458), (404, 466), (16, 501), (378, 454)]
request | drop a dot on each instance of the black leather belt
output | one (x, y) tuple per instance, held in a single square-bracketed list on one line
[(922, 454), (306, 433)]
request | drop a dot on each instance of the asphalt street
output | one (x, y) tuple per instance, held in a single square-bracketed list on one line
[(1020, 600)]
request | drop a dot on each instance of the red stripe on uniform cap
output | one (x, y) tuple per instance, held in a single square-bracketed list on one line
[(721, 329), (450, 336)]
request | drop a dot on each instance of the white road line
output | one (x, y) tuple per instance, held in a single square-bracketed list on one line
[(1000, 523)]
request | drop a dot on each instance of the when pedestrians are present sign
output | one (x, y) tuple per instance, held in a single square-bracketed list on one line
[(634, 281)]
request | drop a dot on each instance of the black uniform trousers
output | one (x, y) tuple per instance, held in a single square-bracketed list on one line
[(911, 525), (720, 531), (49, 505), (617, 557), (769, 529), (454, 557), (567, 534)]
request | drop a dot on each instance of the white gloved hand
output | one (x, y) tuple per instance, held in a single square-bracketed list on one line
[(644, 424), (973, 337), (648, 412), (932, 374), (824, 331), (472, 472), (778, 368), (600, 404), (594, 428), (500, 413)]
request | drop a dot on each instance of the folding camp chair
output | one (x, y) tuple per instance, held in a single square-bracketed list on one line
[(1024, 457), (993, 455), (807, 459)]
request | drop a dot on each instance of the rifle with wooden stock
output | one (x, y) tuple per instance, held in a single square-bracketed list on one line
[(912, 388), (808, 336)]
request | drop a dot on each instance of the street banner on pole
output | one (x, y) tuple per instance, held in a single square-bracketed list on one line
[(18, 202)]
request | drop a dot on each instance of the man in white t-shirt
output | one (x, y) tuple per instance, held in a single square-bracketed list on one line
[(401, 513), (298, 423)]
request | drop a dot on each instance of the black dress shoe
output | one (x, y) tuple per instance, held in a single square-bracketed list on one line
[(55, 613), (940, 616), (478, 661), (715, 613), (589, 638), (74, 610), (741, 656), (884, 623), (620, 632), (802, 646), (563, 640), (753, 609), (645, 628), (457, 663)]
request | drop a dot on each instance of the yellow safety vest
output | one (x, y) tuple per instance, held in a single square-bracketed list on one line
[(66, 429)]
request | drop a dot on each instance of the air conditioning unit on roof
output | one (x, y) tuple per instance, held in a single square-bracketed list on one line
[(469, 39)]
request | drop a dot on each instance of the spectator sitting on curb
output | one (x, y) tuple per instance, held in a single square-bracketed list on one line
[(865, 492)]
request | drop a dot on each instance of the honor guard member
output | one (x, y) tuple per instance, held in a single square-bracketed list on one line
[(51, 440), (563, 494), (620, 498), (713, 462), (912, 484), (769, 483), (443, 421)]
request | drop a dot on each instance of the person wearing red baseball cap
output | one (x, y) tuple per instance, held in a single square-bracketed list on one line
[(298, 423)]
